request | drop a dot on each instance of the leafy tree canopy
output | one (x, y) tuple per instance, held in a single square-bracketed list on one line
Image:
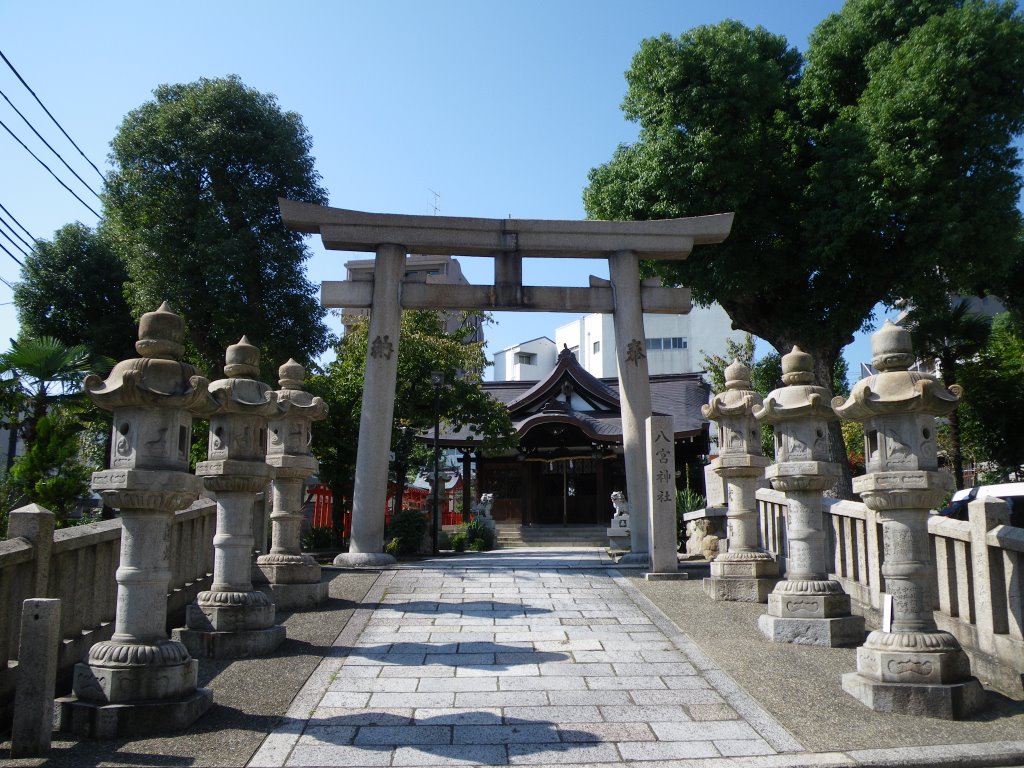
[(879, 168), (192, 201), (71, 290)]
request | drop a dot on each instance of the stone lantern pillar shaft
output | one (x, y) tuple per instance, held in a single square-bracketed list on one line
[(233, 620), (285, 520), (807, 607), (744, 573), (634, 394), (140, 681), (369, 495), (909, 666)]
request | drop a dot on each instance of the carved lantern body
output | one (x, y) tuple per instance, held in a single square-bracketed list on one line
[(140, 681), (807, 607), (744, 573), (232, 619), (910, 666), (291, 578)]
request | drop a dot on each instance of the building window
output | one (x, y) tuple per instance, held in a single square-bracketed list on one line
[(678, 342), (653, 344), (597, 347), (526, 358)]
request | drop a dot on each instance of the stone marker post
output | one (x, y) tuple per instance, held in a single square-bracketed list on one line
[(807, 607), (744, 573), (291, 578), (913, 668), (139, 681), (32, 728), (232, 619), (661, 499)]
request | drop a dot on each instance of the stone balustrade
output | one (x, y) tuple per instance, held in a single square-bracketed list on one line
[(978, 576), (77, 567)]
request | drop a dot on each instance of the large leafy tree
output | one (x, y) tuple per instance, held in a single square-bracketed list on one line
[(426, 345), (949, 334), (993, 380), (72, 290), (193, 201), (879, 168)]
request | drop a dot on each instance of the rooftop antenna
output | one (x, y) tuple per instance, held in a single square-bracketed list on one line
[(437, 196)]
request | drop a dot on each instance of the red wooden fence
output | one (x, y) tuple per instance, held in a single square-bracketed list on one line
[(412, 498)]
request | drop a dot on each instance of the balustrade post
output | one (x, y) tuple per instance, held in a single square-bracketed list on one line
[(910, 667)]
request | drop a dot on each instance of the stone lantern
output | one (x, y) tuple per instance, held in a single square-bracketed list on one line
[(140, 681), (292, 578), (807, 607), (910, 666), (743, 573), (232, 619)]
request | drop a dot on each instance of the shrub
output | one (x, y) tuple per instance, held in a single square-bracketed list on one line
[(406, 531), (474, 536)]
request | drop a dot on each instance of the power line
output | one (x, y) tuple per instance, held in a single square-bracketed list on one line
[(12, 242), (69, 189), (16, 74), (18, 261), (7, 284), (11, 217), (14, 232), (33, 129)]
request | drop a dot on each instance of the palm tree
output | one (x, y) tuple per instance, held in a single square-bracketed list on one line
[(949, 334), (43, 372)]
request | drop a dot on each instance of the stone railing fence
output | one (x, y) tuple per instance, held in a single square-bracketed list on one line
[(978, 589), (77, 565)]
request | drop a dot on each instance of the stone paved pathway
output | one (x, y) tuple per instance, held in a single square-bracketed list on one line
[(520, 657)]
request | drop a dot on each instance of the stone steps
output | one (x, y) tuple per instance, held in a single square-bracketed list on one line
[(511, 537)]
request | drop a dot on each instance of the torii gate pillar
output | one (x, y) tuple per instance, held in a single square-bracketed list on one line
[(507, 241)]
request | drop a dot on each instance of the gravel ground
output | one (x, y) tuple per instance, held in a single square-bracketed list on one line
[(250, 695), (800, 685)]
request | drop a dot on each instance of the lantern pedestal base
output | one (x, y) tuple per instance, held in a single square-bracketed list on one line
[(101, 720), (365, 560), (742, 577), (241, 644), (828, 633), (296, 597), (949, 701)]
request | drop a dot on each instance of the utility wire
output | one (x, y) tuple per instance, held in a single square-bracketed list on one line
[(11, 217), (12, 242), (29, 89), (18, 261), (14, 232), (39, 136), (7, 284), (69, 189)]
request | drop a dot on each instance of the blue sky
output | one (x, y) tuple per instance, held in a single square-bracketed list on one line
[(501, 108)]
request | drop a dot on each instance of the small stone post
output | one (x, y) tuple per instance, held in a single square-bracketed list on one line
[(744, 573), (914, 668), (661, 481), (232, 619), (291, 578), (807, 607), (32, 728), (139, 681)]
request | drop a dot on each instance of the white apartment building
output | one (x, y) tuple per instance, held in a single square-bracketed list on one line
[(675, 344)]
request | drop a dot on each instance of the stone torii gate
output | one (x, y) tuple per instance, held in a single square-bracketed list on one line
[(392, 237)]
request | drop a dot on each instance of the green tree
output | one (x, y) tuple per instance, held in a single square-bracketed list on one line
[(44, 373), (192, 200), (71, 289), (993, 383), (949, 334), (882, 169), (425, 346), (51, 471)]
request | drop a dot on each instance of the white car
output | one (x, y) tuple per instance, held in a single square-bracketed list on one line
[(1011, 493)]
